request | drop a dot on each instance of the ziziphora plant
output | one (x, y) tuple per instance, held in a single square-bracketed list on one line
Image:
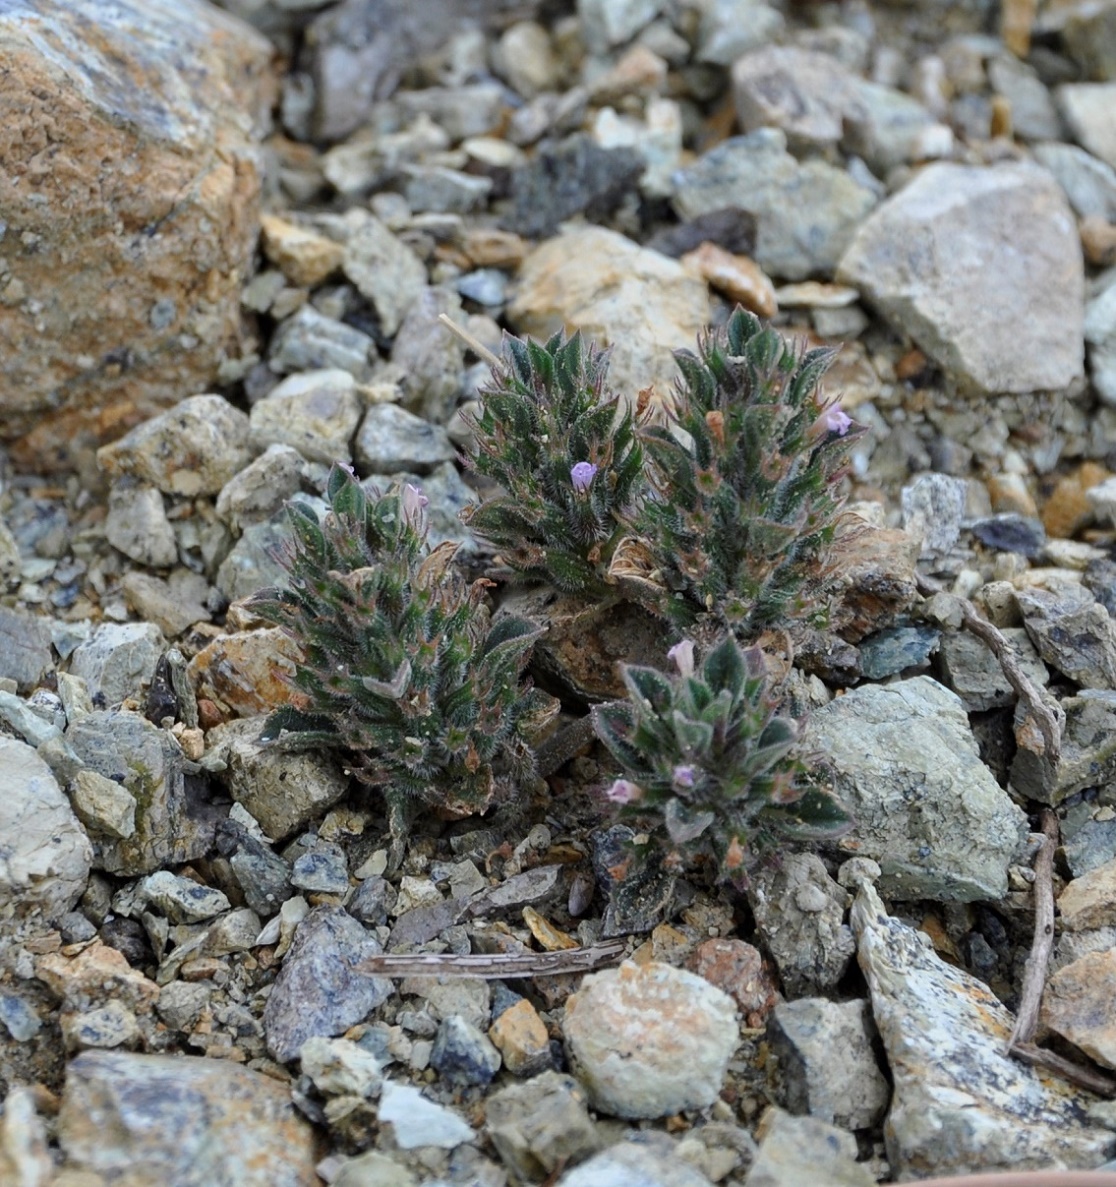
[(566, 455), (711, 763), (399, 663), (746, 503)]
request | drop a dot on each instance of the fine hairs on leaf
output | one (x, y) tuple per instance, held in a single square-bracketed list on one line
[(745, 479), (399, 663), (710, 764), (565, 453)]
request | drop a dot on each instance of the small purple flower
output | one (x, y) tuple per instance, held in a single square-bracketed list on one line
[(683, 656), (581, 475), (683, 777), (833, 420), (623, 791), (413, 501)]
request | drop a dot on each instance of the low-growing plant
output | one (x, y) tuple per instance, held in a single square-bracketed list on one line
[(400, 664), (710, 762), (746, 476), (565, 453)]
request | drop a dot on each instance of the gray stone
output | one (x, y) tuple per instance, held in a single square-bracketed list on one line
[(607, 23), (184, 1121), (1088, 753), (634, 1164), (322, 871), (486, 286), (103, 805), (941, 260), (463, 1054), (729, 28), (524, 58), (650, 1040), (417, 1121), (906, 765), (1009, 531), (1087, 109), (1100, 334), (25, 655), (191, 449), (971, 670), (807, 212), (803, 92), (447, 997), (1089, 184), (541, 1126), (1089, 38), (933, 508), (1072, 632), (340, 1067), (319, 990), (283, 791), (25, 718), (960, 1103), (315, 412), (442, 190), (1033, 114), (310, 341), (373, 901), (386, 272), (888, 128), (636, 301), (897, 649), (373, 1169), (118, 660), (172, 827), (573, 176), (798, 1150), (430, 356), (370, 159), (849, 1091), (104, 1027), (137, 525), (180, 1004), (253, 564), (45, 855), (462, 112), (182, 900), (800, 913), (19, 1017), (261, 488), (173, 605)]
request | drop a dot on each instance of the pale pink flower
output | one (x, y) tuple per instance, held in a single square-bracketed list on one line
[(623, 791), (581, 475), (683, 777), (833, 420), (413, 501), (683, 656)]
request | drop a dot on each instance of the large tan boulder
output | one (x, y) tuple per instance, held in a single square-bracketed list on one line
[(129, 201)]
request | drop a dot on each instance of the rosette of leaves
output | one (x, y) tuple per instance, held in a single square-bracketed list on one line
[(565, 454), (711, 763), (399, 663), (746, 497)]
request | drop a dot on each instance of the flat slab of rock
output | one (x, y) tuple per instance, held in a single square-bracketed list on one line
[(133, 192), (1077, 1004), (183, 1120), (961, 257), (959, 1103), (620, 295), (908, 768)]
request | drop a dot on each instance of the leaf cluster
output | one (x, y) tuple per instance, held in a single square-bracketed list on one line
[(711, 760), (399, 662), (545, 411), (746, 483)]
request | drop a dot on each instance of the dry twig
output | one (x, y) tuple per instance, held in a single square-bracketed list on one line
[(1048, 723), (1074, 1073), (1034, 976), (496, 966), (474, 344)]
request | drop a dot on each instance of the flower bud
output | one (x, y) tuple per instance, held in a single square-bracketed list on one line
[(623, 791), (683, 656), (581, 475)]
